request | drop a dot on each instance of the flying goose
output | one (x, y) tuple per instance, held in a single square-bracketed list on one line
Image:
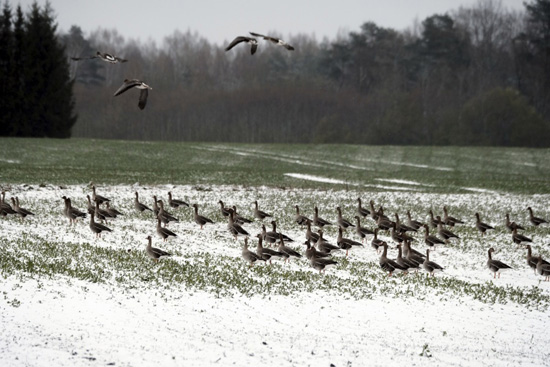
[(252, 41), (318, 221), (535, 220), (175, 203), (482, 227), (135, 83), (155, 253), (430, 266), (103, 56), (199, 219), (277, 41), (261, 215), (496, 266), (140, 207)]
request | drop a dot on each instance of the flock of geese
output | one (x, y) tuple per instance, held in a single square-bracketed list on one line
[(144, 88), (318, 250)]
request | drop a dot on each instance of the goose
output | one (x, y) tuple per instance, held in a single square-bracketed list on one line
[(238, 219), (156, 208), (311, 251), (252, 41), (342, 222), (5, 208), (434, 222), (267, 253), (518, 238), (155, 253), (409, 264), (98, 198), (429, 240), (274, 229), (543, 269), (444, 232), (361, 231), (482, 227), (312, 236), (135, 83), (225, 211), (512, 225), (261, 215), (383, 223), (275, 40), (496, 266), (101, 214), (389, 265), (322, 263), (430, 266), (269, 237), (376, 243), (535, 220), (402, 228), (318, 221), (22, 212), (91, 207), (362, 212), (532, 260), (102, 56), (323, 245), (164, 216), (72, 213), (413, 223), (249, 256), (112, 211), (346, 243), (299, 218), (287, 250), (140, 207), (450, 221), (164, 232), (175, 203), (412, 254), (234, 228), (199, 219), (97, 228), (399, 236)]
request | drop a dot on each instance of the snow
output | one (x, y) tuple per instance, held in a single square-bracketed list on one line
[(65, 321)]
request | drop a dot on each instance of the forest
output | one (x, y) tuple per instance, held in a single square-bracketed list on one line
[(476, 75)]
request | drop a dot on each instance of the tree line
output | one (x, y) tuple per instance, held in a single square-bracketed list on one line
[(477, 75)]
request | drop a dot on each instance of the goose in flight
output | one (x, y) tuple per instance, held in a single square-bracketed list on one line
[(277, 41), (135, 83), (253, 43), (103, 56)]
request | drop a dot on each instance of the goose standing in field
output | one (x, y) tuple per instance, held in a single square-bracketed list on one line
[(249, 256), (267, 253), (346, 243), (274, 40), (376, 242), (496, 266), (91, 207), (389, 265), (383, 223), (261, 215), (429, 240), (342, 222), (411, 254), (325, 246), (399, 237), (518, 238), (164, 232), (175, 203), (225, 210), (200, 219), (22, 212), (164, 216), (72, 213), (322, 263), (239, 219), (448, 220), (482, 227), (287, 250), (98, 198), (362, 212), (234, 228), (361, 231), (274, 230), (299, 218), (317, 220), (413, 223), (434, 222), (5, 208), (250, 40), (311, 251), (112, 211), (312, 236), (430, 266), (269, 237), (444, 232), (101, 214), (408, 264), (543, 269), (97, 228), (156, 207), (155, 253), (135, 83), (535, 220), (532, 260), (402, 228), (102, 56), (140, 207), (512, 225)]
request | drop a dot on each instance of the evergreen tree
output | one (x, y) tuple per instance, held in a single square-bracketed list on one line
[(6, 68)]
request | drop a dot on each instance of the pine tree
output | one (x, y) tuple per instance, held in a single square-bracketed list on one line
[(6, 68)]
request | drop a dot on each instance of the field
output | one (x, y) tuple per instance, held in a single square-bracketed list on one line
[(71, 299)]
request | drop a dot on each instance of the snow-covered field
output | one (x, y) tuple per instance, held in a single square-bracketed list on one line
[(69, 299)]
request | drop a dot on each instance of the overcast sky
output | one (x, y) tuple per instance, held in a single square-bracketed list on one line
[(221, 20)]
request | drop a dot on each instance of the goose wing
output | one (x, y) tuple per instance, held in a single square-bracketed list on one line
[(127, 85)]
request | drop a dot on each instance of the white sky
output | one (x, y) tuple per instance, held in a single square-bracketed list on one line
[(221, 20)]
